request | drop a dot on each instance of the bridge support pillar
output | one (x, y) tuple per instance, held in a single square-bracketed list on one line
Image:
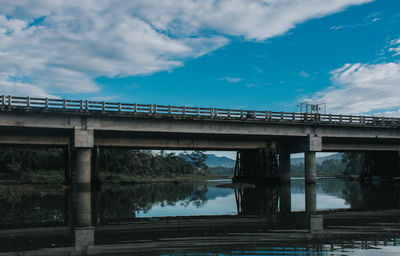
[(67, 165), (285, 201), (256, 164), (82, 209), (83, 159), (284, 167), (311, 198), (82, 206), (83, 143), (310, 167)]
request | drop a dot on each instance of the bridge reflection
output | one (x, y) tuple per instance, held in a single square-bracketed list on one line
[(264, 223)]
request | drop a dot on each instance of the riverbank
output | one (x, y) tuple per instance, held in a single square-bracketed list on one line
[(183, 178), (52, 177)]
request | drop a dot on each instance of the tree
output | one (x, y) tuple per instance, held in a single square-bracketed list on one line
[(352, 163), (198, 161)]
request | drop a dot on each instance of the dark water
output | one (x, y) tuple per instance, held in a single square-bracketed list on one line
[(335, 217)]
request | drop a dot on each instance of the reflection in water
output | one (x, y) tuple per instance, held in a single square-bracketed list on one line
[(259, 200), (261, 218)]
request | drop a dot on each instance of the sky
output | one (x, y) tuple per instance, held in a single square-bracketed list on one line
[(238, 54)]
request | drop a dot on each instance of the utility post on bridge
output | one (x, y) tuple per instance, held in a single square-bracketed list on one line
[(83, 145)]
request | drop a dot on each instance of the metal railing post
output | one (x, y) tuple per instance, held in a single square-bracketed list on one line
[(28, 101), (155, 109), (64, 103), (169, 110), (3, 100), (135, 108), (119, 107), (47, 103), (150, 107), (184, 110), (103, 106), (9, 100), (198, 111)]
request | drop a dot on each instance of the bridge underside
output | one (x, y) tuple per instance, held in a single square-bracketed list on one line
[(26, 136)]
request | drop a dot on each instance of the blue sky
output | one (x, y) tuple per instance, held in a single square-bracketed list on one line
[(250, 54), (278, 72), (239, 54)]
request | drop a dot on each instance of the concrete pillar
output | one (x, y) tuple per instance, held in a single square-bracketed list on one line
[(284, 167), (83, 165), (311, 198), (67, 165), (285, 198), (310, 167), (82, 206), (83, 144), (316, 223), (96, 167), (84, 238)]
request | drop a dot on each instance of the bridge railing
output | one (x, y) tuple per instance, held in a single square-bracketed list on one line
[(179, 111)]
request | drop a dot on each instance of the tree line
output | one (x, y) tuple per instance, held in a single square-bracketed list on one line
[(349, 164), (17, 163), (146, 163)]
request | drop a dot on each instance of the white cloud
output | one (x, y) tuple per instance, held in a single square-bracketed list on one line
[(396, 47), (363, 88), (304, 74), (78, 41), (232, 79)]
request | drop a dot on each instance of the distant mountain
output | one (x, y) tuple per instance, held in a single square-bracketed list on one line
[(214, 161), (337, 156)]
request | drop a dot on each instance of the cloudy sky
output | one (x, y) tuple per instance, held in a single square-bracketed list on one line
[(252, 54)]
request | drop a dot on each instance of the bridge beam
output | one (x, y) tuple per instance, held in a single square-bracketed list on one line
[(83, 144)]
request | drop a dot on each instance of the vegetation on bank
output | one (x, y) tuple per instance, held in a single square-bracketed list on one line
[(42, 165), (47, 165), (349, 164)]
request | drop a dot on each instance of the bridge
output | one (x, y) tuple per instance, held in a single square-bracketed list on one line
[(262, 138)]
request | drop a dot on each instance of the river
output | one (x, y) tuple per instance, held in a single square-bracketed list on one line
[(333, 217)]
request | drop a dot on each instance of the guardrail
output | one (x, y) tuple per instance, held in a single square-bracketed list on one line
[(183, 111)]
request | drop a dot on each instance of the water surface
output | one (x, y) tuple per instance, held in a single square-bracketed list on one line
[(206, 217)]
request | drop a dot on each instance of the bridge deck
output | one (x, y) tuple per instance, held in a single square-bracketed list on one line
[(9, 102)]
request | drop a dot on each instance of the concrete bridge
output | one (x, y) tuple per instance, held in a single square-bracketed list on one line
[(83, 126)]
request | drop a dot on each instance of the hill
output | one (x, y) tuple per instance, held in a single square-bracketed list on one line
[(215, 161), (337, 156)]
